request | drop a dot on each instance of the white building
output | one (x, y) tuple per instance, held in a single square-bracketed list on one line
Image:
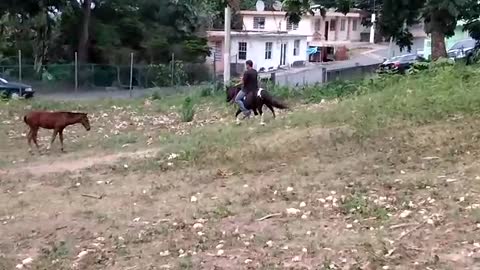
[(334, 28), (267, 50)]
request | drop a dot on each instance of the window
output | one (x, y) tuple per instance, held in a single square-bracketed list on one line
[(268, 50), (258, 22), (343, 22), (217, 54), (242, 50), (292, 26), (354, 25), (333, 25), (318, 25), (296, 47)]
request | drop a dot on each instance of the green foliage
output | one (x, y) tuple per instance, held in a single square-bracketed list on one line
[(435, 93), (152, 29), (165, 75), (188, 110), (156, 95)]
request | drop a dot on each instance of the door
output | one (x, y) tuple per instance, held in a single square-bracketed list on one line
[(327, 29), (283, 54)]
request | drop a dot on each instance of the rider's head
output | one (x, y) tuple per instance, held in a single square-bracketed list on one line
[(249, 64)]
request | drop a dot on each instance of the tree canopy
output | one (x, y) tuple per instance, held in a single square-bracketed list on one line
[(440, 17), (106, 31)]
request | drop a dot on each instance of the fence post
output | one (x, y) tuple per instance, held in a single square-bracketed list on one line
[(20, 65), (76, 71), (131, 74), (325, 74), (173, 69)]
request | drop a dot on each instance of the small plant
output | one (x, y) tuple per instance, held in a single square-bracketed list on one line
[(3, 95), (156, 95), (188, 110), (360, 205), (206, 92)]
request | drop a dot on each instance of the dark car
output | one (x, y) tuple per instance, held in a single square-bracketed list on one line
[(461, 49), (399, 64), (15, 90)]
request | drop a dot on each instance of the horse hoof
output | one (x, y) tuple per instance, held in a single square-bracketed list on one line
[(262, 123)]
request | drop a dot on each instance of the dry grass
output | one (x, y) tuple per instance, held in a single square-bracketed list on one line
[(404, 199)]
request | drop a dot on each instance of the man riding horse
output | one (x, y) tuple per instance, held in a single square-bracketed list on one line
[(250, 84)]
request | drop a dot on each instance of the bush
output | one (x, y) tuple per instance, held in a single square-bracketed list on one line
[(156, 95), (206, 92), (161, 74), (188, 110)]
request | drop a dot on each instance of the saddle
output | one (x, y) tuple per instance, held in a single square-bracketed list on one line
[(259, 94)]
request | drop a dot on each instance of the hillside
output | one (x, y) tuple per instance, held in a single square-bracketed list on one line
[(385, 177)]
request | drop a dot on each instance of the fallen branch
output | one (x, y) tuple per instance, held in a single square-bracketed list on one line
[(93, 196), (393, 227), (269, 216), (409, 232)]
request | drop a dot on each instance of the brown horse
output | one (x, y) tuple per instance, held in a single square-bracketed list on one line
[(57, 121), (255, 101)]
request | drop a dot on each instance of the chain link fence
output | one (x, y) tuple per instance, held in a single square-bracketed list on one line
[(76, 77)]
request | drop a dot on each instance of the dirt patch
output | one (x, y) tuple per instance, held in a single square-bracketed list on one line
[(72, 165), (405, 200)]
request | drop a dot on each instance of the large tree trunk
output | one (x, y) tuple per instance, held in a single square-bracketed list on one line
[(438, 44), (84, 31)]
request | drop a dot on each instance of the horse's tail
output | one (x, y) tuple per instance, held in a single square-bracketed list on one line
[(25, 119), (272, 100)]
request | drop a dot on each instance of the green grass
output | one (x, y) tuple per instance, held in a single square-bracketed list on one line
[(425, 97)]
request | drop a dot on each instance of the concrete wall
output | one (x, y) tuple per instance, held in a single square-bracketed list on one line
[(300, 78), (321, 75)]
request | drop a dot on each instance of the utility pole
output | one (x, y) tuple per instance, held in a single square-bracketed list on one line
[(372, 28), (227, 45)]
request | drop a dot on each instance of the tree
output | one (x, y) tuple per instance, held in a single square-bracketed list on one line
[(86, 6), (439, 16)]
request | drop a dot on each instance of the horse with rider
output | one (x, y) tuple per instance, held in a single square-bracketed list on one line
[(250, 96)]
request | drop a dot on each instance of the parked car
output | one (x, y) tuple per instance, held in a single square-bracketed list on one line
[(15, 90), (461, 49), (399, 64)]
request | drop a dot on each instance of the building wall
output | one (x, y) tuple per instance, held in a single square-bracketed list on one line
[(307, 26), (256, 51)]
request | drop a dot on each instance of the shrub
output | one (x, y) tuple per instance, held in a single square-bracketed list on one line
[(187, 110)]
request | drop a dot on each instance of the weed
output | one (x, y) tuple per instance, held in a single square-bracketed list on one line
[(359, 204), (221, 211), (206, 92), (188, 110), (185, 263), (156, 95)]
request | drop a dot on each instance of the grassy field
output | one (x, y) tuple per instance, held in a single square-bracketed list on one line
[(384, 177)]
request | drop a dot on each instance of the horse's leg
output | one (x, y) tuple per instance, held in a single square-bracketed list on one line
[(271, 109), (60, 134), (262, 122), (34, 138), (29, 139), (55, 131), (237, 117)]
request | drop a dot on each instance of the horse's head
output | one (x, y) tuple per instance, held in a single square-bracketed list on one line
[(232, 92), (84, 121)]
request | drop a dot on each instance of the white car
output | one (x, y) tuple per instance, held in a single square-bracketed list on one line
[(461, 48)]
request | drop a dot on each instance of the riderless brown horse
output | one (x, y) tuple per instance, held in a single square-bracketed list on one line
[(57, 121), (255, 101)]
